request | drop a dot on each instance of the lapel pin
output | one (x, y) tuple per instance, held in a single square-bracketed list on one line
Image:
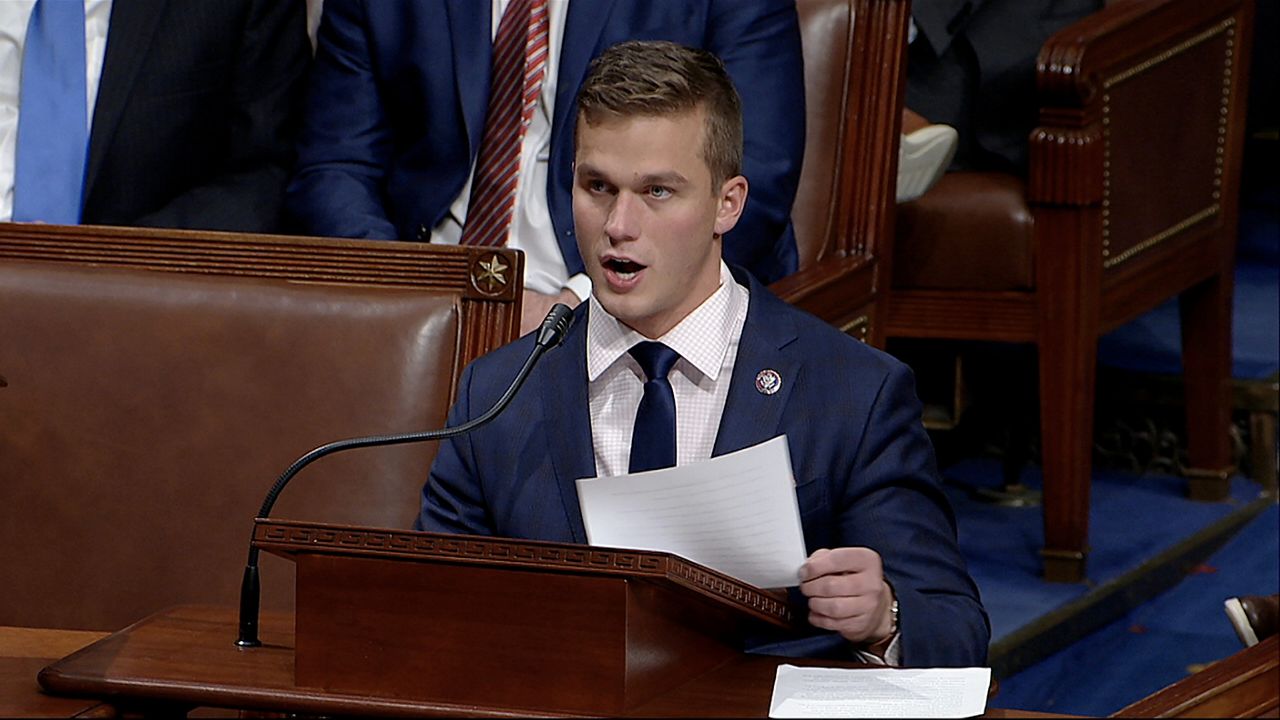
[(768, 382)]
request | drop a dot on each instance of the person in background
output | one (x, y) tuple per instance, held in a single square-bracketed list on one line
[(971, 95), (451, 121), (163, 113), (677, 357), (150, 112)]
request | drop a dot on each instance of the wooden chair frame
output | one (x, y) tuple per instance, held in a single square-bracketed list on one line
[(1113, 89)]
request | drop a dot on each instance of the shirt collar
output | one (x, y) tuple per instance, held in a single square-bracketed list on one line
[(702, 337)]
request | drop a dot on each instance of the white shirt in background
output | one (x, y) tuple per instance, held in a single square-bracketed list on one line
[(531, 229), (14, 15)]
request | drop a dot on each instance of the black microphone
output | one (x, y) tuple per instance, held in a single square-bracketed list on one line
[(550, 334)]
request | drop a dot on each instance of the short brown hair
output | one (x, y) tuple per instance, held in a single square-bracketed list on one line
[(655, 78)]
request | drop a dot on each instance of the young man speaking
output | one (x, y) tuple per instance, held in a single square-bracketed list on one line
[(671, 329)]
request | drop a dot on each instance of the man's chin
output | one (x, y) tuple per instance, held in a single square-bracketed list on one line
[(628, 310), (619, 306)]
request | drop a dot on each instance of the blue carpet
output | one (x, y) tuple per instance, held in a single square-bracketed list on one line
[(1159, 642), (1131, 519)]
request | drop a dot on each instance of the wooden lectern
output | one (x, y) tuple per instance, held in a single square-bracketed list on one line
[(506, 624)]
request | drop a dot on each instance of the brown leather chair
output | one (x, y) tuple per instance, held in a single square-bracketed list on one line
[(153, 385), (1130, 200), (854, 76)]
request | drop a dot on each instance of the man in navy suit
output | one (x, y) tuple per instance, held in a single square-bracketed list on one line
[(657, 185), (398, 106), (973, 66), (195, 115)]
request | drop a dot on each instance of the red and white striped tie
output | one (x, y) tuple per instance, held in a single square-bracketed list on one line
[(519, 64)]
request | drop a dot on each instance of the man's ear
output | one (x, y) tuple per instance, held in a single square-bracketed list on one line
[(733, 198)]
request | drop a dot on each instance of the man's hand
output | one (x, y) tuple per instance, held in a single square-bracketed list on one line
[(848, 594), (535, 306)]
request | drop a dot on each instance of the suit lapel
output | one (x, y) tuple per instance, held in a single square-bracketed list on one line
[(584, 24), (133, 23), (568, 415), (470, 30), (751, 416)]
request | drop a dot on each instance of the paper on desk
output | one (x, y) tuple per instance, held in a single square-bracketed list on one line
[(736, 513), (809, 692)]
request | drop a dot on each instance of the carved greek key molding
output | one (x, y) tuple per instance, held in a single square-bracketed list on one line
[(741, 594), (289, 538)]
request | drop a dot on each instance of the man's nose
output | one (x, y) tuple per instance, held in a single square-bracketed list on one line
[(623, 222)]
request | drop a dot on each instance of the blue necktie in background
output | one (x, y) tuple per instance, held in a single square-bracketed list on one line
[(653, 441), (53, 135)]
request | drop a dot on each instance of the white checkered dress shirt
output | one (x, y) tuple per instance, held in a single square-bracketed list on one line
[(707, 340)]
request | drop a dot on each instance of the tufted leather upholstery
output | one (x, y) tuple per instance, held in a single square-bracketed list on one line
[(147, 412)]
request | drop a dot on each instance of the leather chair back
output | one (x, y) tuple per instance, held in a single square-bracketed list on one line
[(826, 28), (153, 386), (854, 79), (854, 75)]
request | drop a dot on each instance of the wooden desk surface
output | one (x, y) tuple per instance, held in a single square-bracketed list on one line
[(1246, 684), (23, 652), (187, 657)]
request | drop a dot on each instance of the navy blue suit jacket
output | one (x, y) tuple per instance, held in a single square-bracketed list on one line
[(864, 468), (400, 90)]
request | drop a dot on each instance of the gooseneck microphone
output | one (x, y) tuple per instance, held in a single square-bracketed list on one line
[(550, 334)]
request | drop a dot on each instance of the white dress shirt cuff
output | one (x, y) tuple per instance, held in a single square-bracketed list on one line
[(892, 654), (579, 285)]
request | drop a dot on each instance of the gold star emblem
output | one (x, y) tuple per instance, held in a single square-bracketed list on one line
[(492, 274)]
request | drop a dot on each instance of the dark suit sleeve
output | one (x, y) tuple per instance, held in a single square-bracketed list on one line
[(270, 65), (759, 43), (345, 144), (894, 504), (889, 498)]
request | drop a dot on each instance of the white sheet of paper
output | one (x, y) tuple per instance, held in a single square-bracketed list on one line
[(811, 692), (736, 513)]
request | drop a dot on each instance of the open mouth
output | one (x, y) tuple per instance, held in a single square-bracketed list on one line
[(624, 269)]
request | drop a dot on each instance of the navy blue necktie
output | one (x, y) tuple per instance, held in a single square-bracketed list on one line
[(53, 134), (653, 440)]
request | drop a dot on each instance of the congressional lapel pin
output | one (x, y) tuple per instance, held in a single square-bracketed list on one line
[(768, 382)]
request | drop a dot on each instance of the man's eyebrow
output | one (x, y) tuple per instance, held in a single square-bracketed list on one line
[(671, 178), (665, 178)]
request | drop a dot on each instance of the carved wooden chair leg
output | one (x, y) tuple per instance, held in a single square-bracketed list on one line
[(1206, 366)]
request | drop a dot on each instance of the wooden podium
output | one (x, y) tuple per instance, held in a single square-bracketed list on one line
[(511, 624)]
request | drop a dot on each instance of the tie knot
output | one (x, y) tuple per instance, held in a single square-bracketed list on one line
[(656, 359)]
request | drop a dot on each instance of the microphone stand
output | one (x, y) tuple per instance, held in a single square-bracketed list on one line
[(550, 334)]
